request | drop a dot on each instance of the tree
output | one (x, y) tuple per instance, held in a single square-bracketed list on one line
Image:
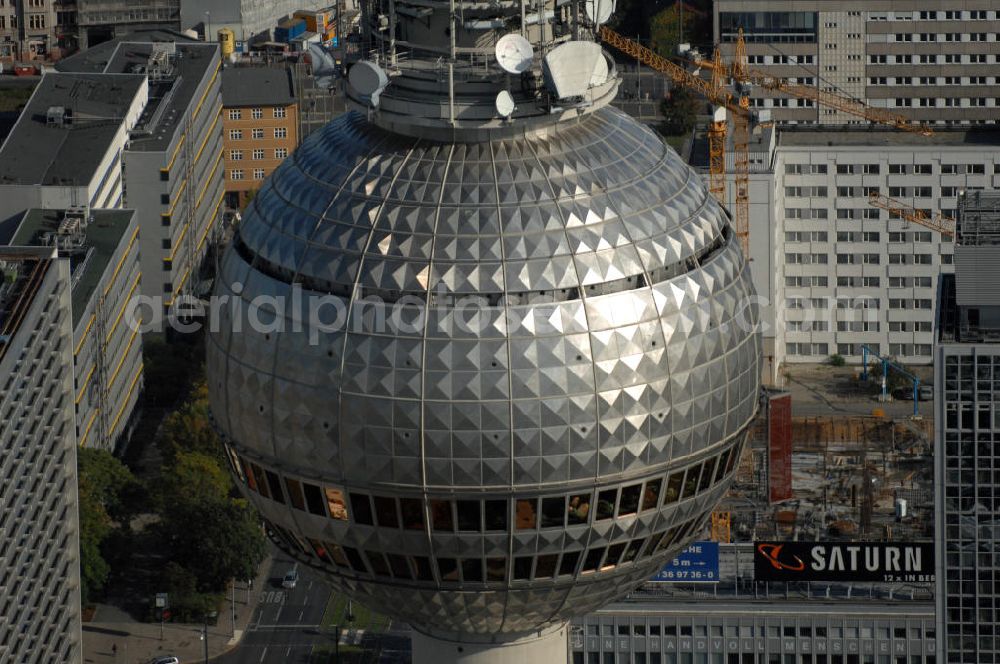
[(680, 111), (196, 475), (190, 429), (109, 495), (216, 540), (665, 31)]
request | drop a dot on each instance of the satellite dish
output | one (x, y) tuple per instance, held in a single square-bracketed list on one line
[(368, 79), (514, 54), (570, 68), (505, 104), (601, 72), (599, 11)]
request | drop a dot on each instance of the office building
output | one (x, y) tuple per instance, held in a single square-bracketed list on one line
[(37, 30), (930, 61), (102, 20), (834, 271), (172, 168), (967, 428), (102, 247), (260, 126), (250, 20), (39, 526), (67, 147)]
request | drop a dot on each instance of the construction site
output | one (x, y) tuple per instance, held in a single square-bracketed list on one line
[(832, 478)]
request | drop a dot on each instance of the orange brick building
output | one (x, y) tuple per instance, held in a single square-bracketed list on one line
[(260, 121)]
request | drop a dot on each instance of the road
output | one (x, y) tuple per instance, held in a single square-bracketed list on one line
[(287, 623)]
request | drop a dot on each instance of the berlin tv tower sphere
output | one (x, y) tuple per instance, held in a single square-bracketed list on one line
[(486, 370)]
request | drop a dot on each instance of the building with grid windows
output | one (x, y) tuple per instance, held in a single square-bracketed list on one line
[(260, 126), (172, 169), (36, 29), (930, 61), (102, 247), (39, 528), (836, 272), (967, 427)]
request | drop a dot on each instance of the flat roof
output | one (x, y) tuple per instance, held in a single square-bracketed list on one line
[(39, 153), (104, 234), (170, 94), (257, 86), (880, 136), (22, 270)]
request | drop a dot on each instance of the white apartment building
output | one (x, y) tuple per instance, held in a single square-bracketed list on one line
[(39, 525), (930, 60), (834, 272)]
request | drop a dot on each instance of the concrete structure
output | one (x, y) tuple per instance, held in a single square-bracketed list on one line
[(37, 30), (103, 251), (967, 424), (703, 628), (250, 20), (837, 272), (67, 147), (39, 526), (484, 483), (930, 61), (173, 165), (260, 126), (101, 20)]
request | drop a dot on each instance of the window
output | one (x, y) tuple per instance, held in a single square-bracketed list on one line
[(258, 154), (412, 512), (258, 174), (279, 111), (235, 155), (441, 516), (236, 134), (257, 133), (236, 174), (362, 509), (280, 153), (468, 515), (235, 114), (256, 113), (336, 504), (280, 132)]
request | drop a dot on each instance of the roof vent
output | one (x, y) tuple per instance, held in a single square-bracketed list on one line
[(58, 116)]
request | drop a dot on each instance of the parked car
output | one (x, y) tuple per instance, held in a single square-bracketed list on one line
[(926, 392), (167, 659), (291, 578)]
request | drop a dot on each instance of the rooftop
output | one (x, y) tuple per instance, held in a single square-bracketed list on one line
[(880, 136), (40, 151), (21, 272), (173, 80), (104, 233), (257, 86)]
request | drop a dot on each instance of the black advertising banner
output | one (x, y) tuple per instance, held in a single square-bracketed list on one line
[(884, 562)]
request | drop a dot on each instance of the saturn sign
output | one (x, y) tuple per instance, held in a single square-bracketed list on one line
[(887, 562)]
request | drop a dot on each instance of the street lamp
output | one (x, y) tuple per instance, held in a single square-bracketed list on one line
[(208, 25), (204, 632)]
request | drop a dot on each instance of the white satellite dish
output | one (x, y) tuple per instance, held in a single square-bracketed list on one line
[(601, 72), (599, 11), (570, 68), (514, 54), (505, 104), (369, 80)]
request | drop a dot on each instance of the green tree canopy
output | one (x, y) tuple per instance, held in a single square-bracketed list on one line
[(665, 31), (194, 476), (680, 111)]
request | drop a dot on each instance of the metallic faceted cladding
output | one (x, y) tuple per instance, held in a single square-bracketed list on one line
[(613, 341)]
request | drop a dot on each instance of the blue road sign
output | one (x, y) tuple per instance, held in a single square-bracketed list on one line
[(699, 563)]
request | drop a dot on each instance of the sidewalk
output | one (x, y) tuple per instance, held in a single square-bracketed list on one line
[(137, 643)]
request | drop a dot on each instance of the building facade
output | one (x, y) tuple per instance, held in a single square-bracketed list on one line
[(101, 20), (835, 272), (260, 126), (173, 167), (250, 20), (929, 61), (967, 428), (37, 29), (745, 631), (39, 525), (102, 247)]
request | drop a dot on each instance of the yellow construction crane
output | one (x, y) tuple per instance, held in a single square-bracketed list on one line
[(899, 210), (715, 92)]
